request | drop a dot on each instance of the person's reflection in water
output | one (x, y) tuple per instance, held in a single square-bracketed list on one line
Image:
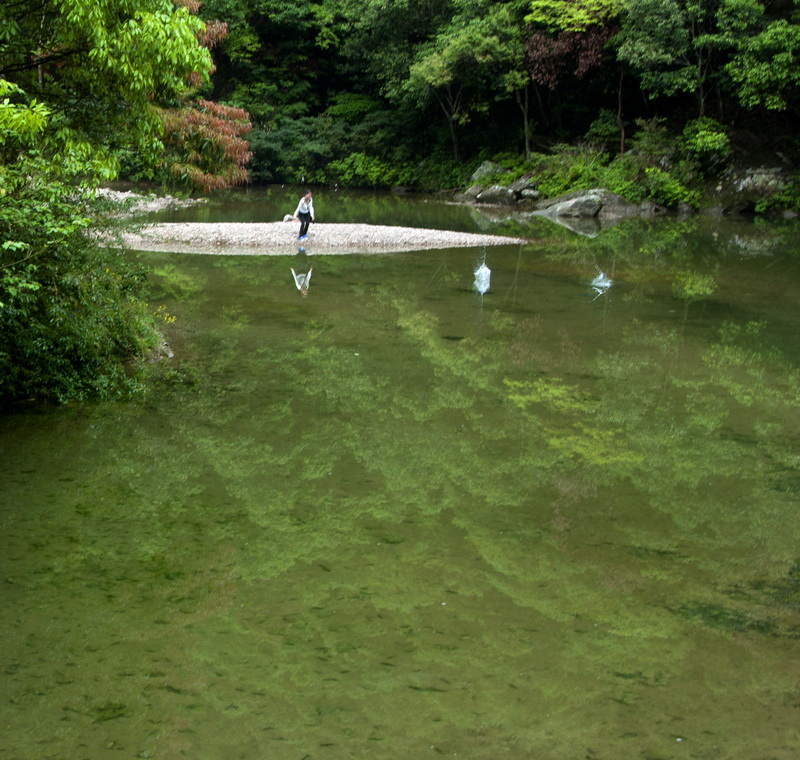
[(302, 281)]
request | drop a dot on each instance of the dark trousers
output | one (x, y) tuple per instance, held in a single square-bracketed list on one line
[(305, 220)]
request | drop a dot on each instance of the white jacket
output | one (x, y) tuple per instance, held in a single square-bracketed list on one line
[(305, 207)]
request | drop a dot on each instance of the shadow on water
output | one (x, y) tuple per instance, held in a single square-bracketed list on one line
[(422, 511)]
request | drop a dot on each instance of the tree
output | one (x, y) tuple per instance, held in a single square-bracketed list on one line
[(78, 82), (205, 144), (382, 37), (447, 70), (99, 65), (274, 62), (569, 36), (765, 67), (676, 45), (504, 24), (464, 60)]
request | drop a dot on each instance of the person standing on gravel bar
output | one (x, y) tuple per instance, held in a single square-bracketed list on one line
[(305, 213)]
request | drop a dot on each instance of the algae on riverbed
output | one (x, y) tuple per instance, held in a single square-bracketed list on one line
[(389, 519)]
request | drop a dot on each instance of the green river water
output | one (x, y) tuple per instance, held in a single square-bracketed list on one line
[(400, 519)]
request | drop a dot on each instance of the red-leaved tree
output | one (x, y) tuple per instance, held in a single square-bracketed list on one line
[(206, 145), (550, 57), (204, 140)]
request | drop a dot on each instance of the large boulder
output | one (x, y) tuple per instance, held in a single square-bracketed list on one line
[(740, 192), (497, 194), (587, 204), (473, 191), (487, 169), (649, 209), (617, 207), (586, 207), (524, 186)]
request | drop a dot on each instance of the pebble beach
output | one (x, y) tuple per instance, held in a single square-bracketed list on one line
[(280, 238)]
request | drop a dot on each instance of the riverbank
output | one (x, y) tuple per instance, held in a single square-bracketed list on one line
[(280, 238)]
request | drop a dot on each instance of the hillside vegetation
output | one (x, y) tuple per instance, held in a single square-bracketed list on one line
[(651, 98)]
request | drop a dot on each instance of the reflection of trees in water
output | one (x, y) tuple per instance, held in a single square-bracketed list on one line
[(427, 424), (648, 445), (654, 418), (568, 501)]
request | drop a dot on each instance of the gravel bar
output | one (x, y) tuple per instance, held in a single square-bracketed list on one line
[(280, 238)]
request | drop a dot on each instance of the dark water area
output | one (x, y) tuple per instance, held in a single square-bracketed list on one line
[(397, 517)]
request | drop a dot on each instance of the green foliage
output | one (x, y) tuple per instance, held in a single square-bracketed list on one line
[(652, 170), (766, 66), (604, 130), (19, 122), (653, 141), (78, 84), (100, 65), (666, 188), (570, 168), (438, 171), (71, 321), (623, 176), (565, 16), (705, 141), (654, 41), (678, 46), (351, 107), (360, 170), (786, 199), (292, 152), (647, 172)]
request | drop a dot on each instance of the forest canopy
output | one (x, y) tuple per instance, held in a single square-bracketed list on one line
[(386, 92)]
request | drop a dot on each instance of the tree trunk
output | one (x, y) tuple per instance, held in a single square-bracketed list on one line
[(454, 138), (522, 101), (450, 104), (620, 121), (542, 108)]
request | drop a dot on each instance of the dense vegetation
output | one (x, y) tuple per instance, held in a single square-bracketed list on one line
[(85, 84), (417, 92)]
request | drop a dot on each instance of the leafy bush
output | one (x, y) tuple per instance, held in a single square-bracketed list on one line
[(570, 168), (603, 133), (637, 175), (360, 170), (653, 143), (72, 321), (705, 142), (665, 188), (787, 199)]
